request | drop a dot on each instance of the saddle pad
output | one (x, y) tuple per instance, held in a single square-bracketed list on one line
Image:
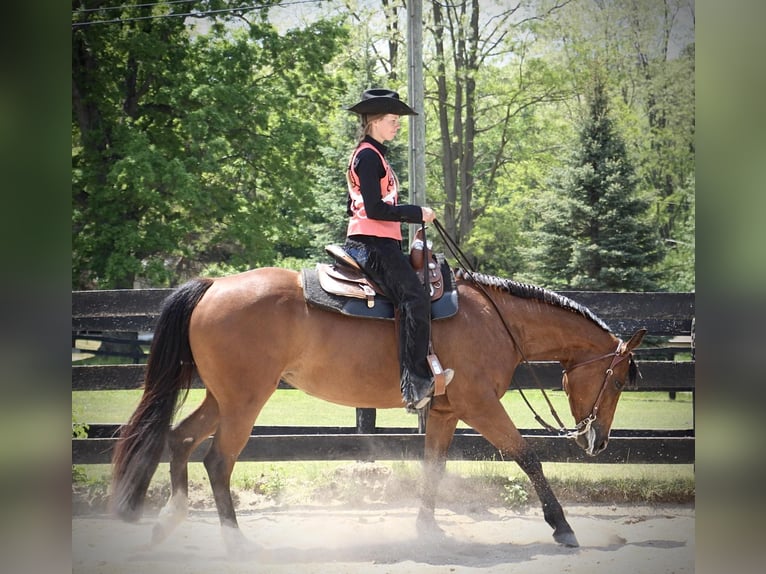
[(314, 295)]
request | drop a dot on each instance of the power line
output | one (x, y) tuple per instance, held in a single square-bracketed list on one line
[(126, 6), (197, 13)]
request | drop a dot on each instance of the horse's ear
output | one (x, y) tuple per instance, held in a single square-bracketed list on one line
[(635, 340)]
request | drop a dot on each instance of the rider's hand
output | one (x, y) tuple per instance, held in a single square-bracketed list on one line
[(428, 214)]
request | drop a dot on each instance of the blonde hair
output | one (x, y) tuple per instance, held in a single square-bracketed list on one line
[(366, 124)]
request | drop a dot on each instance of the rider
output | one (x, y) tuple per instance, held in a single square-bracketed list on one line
[(374, 238)]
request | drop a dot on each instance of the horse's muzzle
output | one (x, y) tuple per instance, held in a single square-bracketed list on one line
[(593, 441)]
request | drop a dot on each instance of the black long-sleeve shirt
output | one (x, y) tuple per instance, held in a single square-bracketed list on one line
[(370, 170)]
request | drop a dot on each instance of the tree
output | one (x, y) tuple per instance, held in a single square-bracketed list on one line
[(374, 49), (646, 49), (595, 233), (677, 268), (119, 78), (188, 147), (477, 114)]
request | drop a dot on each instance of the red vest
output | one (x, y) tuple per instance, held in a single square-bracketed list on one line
[(359, 223)]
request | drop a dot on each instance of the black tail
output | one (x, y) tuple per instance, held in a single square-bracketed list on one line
[(168, 371)]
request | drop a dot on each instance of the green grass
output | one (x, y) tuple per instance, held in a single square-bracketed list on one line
[(635, 410)]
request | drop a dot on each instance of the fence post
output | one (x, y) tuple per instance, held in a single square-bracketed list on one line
[(365, 421)]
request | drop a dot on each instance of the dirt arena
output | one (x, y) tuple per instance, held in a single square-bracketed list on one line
[(313, 539)]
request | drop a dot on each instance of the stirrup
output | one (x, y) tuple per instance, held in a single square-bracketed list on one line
[(449, 374), (411, 407), (441, 377)]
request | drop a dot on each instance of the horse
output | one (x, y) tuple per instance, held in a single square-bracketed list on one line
[(243, 333)]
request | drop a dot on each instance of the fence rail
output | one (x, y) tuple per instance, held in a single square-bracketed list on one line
[(110, 316)]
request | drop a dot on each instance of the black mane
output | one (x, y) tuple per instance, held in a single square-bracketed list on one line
[(528, 291)]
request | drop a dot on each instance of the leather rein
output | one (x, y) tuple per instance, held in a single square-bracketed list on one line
[(618, 355)]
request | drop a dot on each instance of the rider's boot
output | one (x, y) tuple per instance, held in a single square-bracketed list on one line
[(417, 391)]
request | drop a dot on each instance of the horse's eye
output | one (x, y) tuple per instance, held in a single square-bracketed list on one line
[(619, 385)]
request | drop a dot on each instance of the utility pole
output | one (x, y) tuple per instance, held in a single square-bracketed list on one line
[(417, 125), (416, 97)]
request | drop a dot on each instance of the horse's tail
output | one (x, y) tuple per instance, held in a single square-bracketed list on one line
[(168, 371)]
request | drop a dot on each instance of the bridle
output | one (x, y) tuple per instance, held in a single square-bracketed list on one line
[(618, 355)]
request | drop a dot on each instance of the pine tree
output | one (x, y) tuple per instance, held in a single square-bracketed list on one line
[(596, 234)]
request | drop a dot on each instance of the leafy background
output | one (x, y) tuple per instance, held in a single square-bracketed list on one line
[(209, 138)]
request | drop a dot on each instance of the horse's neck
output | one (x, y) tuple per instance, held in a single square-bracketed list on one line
[(551, 333)]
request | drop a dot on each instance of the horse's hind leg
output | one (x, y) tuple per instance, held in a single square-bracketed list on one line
[(182, 441), (234, 429), (491, 420)]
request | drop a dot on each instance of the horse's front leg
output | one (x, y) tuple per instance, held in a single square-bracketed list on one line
[(440, 428), (552, 511), (489, 418)]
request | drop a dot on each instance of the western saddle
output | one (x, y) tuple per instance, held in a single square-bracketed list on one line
[(347, 279)]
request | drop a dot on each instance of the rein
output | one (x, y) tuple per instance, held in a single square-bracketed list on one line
[(618, 355)]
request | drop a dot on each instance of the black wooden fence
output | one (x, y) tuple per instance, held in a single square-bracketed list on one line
[(119, 322)]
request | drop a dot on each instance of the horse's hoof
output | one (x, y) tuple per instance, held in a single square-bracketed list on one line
[(238, 547), (170, 517), (159, 534), (427, 526), (567, 539), (127, 512)]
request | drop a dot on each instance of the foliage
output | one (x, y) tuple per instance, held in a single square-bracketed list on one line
[(213, 144), (79, 430), (608, 242), (514, 495), (645, 50), (677, 268), (188, 148), (488, 84), (78, 474), (270, 483)]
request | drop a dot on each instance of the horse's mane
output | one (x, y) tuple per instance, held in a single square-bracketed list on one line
[(527, 291)]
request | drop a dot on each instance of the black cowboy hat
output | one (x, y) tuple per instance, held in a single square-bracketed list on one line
[(380, 101)]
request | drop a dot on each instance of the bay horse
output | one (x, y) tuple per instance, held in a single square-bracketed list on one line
[(244, 333)]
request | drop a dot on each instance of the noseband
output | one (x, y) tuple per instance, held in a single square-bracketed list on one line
[(618, 355)]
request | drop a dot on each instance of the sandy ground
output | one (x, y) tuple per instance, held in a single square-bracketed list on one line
[(314, 539)]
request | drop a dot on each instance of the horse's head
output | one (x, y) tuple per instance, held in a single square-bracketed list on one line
[(594, 387)]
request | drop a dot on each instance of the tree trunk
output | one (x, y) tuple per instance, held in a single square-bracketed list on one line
[(449, 166), (468, 158)]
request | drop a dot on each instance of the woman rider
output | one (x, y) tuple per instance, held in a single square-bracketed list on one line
[(374, 238)]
